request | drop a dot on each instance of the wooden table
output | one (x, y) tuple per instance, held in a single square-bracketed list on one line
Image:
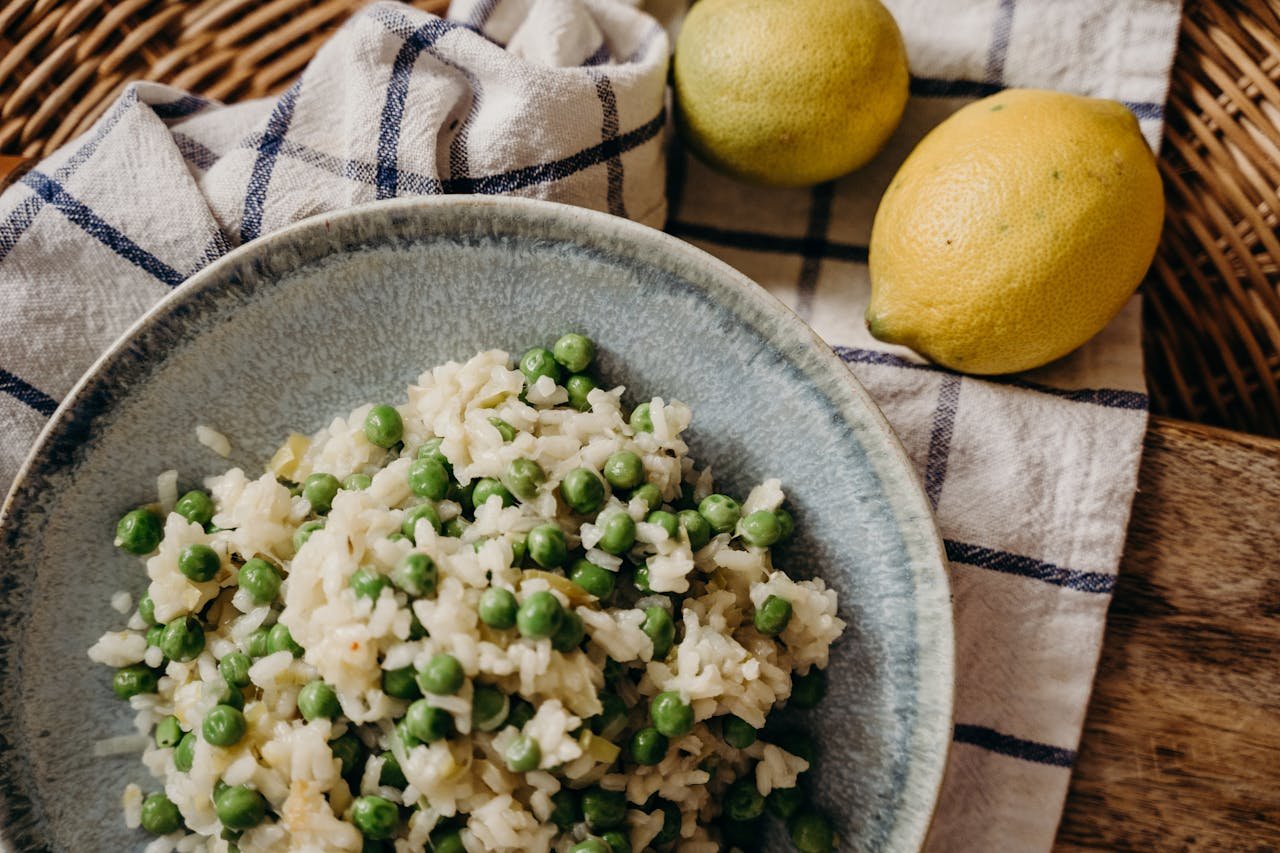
[(1181, 748)]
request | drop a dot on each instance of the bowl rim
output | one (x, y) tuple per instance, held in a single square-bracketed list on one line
[(902, 473)]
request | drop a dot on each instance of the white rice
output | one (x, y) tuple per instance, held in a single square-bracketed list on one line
[(719, 664), (214, 440)]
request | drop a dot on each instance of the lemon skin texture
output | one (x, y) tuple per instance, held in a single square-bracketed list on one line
[(1014, 232), (789, 92)]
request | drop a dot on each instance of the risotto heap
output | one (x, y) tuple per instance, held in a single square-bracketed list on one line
[(502, 615)]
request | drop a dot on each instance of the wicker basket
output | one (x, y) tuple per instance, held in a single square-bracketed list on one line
[(1212, 307)]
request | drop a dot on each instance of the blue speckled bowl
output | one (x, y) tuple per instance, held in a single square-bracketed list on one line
[(342, 309)]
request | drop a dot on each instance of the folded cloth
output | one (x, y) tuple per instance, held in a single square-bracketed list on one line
[(1031, 477)]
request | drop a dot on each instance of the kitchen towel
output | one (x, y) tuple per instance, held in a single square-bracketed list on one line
[(1031, 476)]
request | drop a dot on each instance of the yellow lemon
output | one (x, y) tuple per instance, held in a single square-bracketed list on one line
[(1015, 231), (789, 92)]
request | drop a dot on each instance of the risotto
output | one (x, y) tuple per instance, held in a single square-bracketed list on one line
[(505, 614)]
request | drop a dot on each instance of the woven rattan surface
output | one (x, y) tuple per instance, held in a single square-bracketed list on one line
[(1212, 304)]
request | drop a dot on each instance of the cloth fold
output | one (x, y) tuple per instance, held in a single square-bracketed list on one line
[(1031, 476)]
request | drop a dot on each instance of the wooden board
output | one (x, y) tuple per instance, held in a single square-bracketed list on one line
[(1181, 749)]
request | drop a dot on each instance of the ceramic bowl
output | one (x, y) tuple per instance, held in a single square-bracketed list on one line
[(344, 308)]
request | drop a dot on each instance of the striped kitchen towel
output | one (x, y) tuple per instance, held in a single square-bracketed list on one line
[(1031, 476)]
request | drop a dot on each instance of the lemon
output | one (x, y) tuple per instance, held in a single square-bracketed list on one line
[(1015, 231), (789, 92)]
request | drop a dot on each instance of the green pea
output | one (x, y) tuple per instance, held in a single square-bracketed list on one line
[(760, 529), (659, 627), (375, 817), (519, 549), (391, 774), (455, 527), (590, 845), (570, 633), (153, 635), (414, 514), (742, 801), (667, 521), (139, 531), (261, 580), (574, 352), (786, 524), (582, 490), (721, 512), (604, 809), (367, 583), (521, 712), (400, 683), (650, 494), (427, 723), (357, 482), (232, 696), (640, 578), (182, 639), (497, 608), (134, 680), (195, 506), (565, 811), (617, 841), (596, 580), (784, 802), (523, 478), (580, 386), (319, 490), (772, 616), (430, 449), (350, 752), (613, 710), (168, 732), (159, 815), (671, 820), (506, 430), (537, 363), (147, 609), (184, 753), (239, 807), (304, 531), (383, 426), (539, 615), (547, 546), (807, 690), (489, 707), (737, 732), (648, 746), (428, 479), (234, 668), (257, 644), (224, 725), (442, 675), (523, 754), (624, 470), (448, 841), (487, 487), (641, 419), (318, 701), (199, 562), (670, 714), (619, 534), (811, 832), (695, 527), (416, 574), (407, 738), (280, 640), (798, 742)]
